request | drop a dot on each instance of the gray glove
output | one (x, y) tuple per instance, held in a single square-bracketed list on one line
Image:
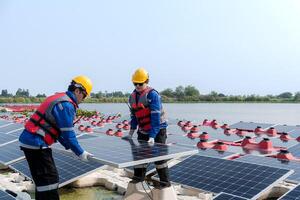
[(85, 156)]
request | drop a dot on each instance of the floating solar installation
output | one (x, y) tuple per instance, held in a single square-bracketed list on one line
[(215, 154), (220, 175), (69, 167), (293, 194), (5, 196), (4, 122), (295, 150), (10, 153), (225, 196), (273, 162), (250, 125), (277, 142), (295, 133), (124, 153)]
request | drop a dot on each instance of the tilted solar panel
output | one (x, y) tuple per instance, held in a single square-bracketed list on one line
[(233, 177), (250, 125), (124, 153), (293, 194), (273, 162), (10, 153), (69, 167)]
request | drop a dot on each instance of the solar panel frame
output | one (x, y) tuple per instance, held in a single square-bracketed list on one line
[(293, 194), (69, 158), (5, 196), (235, 183), (273, 162), (118, 153), (226, 196)]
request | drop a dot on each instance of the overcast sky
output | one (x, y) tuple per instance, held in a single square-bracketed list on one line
[(229, 46)]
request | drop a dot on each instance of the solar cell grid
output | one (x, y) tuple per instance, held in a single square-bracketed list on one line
[(219, 175), (293, 194), (10, 153), (273, 162), (124, 153), (68, 165)]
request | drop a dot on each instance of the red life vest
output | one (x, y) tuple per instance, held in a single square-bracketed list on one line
[(43, 123), (141, 109)]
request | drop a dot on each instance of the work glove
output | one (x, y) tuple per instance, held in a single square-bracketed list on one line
[(129, 136), (85, 156), (151, 141)]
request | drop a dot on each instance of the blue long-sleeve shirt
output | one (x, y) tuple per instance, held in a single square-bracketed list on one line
[(64, 114), (155, 105)]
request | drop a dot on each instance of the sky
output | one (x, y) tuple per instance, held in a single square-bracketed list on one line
[(228, 46)]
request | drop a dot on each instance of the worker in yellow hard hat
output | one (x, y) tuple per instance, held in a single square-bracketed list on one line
[(148, 116), (51, 122)]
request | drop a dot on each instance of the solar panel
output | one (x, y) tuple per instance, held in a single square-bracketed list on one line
[(285, 128), (277, 142), (10, 153), (69, 167), (225, 196), (293, 194), (295, 150), (6, 138), (219, 134), (4, 122), (5, 196), (250, 125), (11, 127), (273, 162), (124, 153), (182, 140), (220, 175)]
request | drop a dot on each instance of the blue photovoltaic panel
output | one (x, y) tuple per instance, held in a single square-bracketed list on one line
[(124, 153), (225, 196), (250, 125), (69, 167), (220, 175), (11, 127), (3, 122), (5, 196), (182, 140), (10, 153), (293, 194), (273, 162), (5, 138), (277, 142), (295, 150), (285, 128)]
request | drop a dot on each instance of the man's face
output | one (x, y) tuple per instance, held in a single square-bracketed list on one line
[(80, 95), (140, 86)]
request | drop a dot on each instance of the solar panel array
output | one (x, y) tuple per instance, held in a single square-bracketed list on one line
[(225, 196), (11, 127), (295, 150), (285, 128), (293, 194), (5, 196), (124, 153), (273, 162), (69, 167), (219, 175)]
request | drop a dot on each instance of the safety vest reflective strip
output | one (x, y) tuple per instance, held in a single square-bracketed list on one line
[(47, 187)]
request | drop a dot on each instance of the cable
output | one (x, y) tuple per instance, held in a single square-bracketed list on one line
[(146, 181)]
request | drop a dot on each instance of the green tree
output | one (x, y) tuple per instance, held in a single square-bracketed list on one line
[(191, 91), (167, 92), (285, 95)]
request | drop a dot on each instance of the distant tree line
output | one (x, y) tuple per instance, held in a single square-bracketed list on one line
[(180, 94)]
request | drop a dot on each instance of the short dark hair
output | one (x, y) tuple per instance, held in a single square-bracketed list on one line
[(72, 87)]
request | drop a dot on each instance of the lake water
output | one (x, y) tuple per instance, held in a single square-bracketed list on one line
[(223, 112)]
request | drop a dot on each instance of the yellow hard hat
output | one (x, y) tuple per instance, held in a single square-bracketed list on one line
[(140, 76), (85, 82)]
